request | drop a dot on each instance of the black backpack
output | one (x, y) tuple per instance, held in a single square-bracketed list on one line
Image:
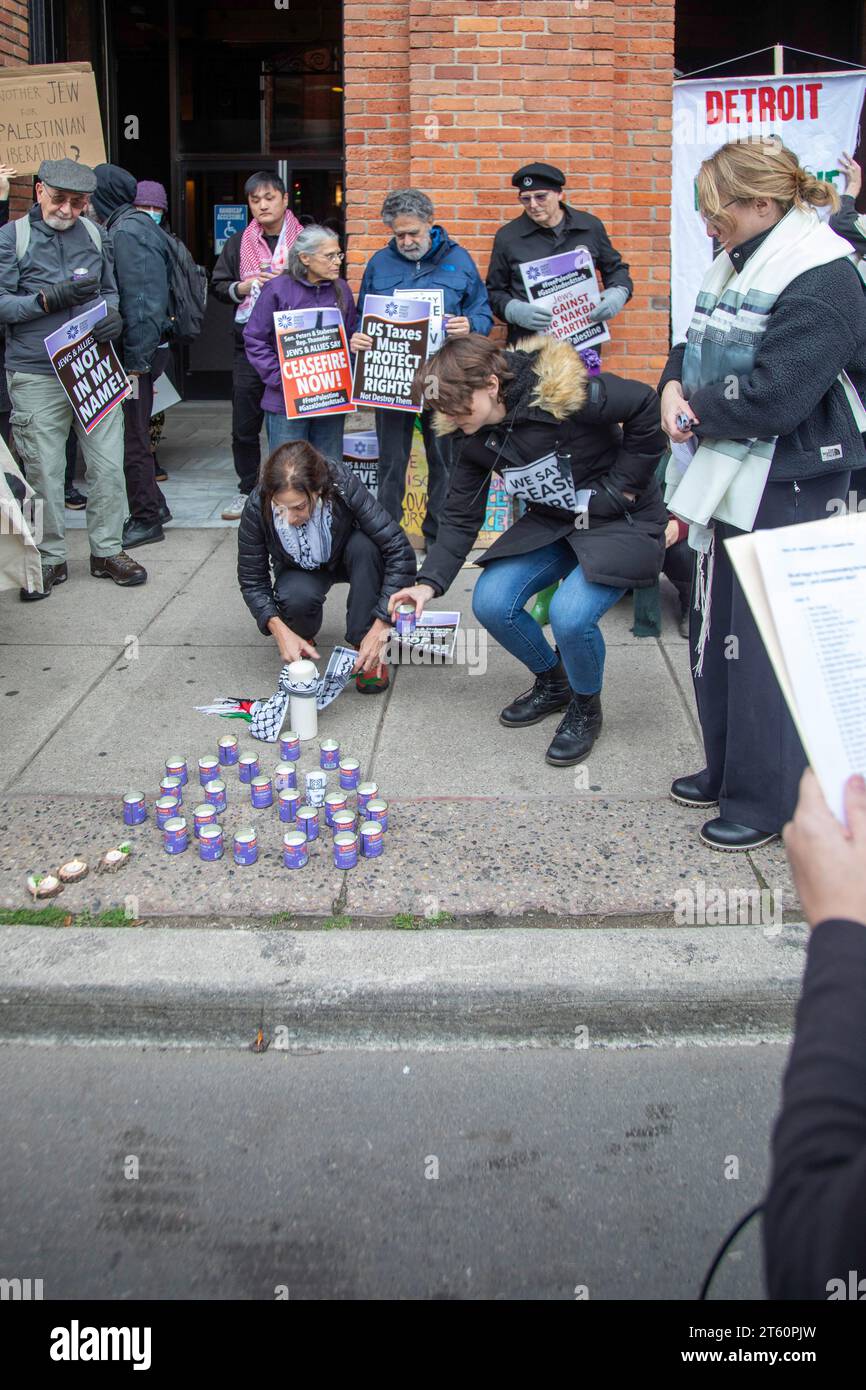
[(187, 292)]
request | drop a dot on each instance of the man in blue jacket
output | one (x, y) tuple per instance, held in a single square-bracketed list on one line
[(420, 256), (142, 265)]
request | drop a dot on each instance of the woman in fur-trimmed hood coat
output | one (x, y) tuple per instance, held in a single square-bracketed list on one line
[(599, 436), (611, 428)]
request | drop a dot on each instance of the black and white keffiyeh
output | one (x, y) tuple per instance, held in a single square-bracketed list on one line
[(308, 545)]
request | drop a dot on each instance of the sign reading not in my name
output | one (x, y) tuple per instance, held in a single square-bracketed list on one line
[(89, 372)]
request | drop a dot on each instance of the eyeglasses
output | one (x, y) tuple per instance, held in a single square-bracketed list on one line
[(705, 218), (527, 198), (57, 198), (331, 255)]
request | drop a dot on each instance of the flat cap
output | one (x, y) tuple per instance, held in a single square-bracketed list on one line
[(66, 174), (538, 176)]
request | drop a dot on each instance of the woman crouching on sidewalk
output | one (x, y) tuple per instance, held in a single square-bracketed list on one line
[(563, 441), (308, 524)]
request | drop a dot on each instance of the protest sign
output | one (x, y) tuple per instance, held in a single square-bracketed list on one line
[(434, 633), (436, 300), (361, 452), (566, 284), (314, 362), (384, 373), (816, 114), (49, 112), (89, 372)]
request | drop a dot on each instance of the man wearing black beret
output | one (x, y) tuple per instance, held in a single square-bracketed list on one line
[(547, 226)]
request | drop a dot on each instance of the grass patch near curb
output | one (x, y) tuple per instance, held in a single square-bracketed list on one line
[(58, 917), (408, 921)]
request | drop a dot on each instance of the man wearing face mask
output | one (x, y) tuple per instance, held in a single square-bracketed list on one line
[(39, 254), (548, 226)]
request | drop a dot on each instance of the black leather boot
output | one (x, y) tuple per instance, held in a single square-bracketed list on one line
[(577, 732), (550, 693)]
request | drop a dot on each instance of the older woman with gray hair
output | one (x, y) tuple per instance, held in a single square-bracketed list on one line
[(311, 281), (420, 256)]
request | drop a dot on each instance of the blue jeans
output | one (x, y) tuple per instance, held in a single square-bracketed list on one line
[(324, 432), (506, 585)]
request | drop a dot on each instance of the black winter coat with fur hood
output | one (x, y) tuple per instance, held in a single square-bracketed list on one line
[(354, 508), (611, 429)]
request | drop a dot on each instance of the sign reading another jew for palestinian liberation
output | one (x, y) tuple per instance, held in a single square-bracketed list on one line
[(817, 115), (89, 372), (566, 284), (385, 373), (49, 112)]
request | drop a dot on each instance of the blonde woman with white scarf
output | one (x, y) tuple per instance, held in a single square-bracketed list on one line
[(764, 394)]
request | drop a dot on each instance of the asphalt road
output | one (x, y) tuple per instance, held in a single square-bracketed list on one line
[(596, 1173)]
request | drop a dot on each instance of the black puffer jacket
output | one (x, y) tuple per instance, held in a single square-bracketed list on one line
[(609, 426), (260, 552)]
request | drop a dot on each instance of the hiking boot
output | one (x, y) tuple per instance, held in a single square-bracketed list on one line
[(51, 575), (550, 693), (120, 567), (577, 732)]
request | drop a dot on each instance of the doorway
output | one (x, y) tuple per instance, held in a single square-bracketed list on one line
[(315, 194)]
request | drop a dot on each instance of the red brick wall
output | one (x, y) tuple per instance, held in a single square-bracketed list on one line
[(452, 96), (14, 50)]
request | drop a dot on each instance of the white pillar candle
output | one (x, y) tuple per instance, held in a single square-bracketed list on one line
[(303, 715)]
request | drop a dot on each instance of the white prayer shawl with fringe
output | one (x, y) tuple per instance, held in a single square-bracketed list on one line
[(724, 479)]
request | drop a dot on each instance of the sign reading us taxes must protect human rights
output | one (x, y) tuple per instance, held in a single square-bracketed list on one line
[(385, 373)]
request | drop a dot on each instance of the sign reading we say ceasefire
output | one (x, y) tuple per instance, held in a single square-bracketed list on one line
[(817, 115)]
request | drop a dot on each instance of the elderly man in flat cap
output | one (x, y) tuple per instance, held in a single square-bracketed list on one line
[(547, 226), (39, 254)]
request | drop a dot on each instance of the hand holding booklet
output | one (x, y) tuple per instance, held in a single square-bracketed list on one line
[(806, 587)]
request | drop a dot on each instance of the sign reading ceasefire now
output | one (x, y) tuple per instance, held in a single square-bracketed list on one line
[(49, 112)]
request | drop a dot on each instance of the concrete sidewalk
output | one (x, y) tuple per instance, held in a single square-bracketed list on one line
[(99, 685)]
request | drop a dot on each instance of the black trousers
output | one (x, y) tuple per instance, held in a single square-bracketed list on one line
[(301, 594), (394, 432), (247, 419), (143, 493), (754, 755)]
